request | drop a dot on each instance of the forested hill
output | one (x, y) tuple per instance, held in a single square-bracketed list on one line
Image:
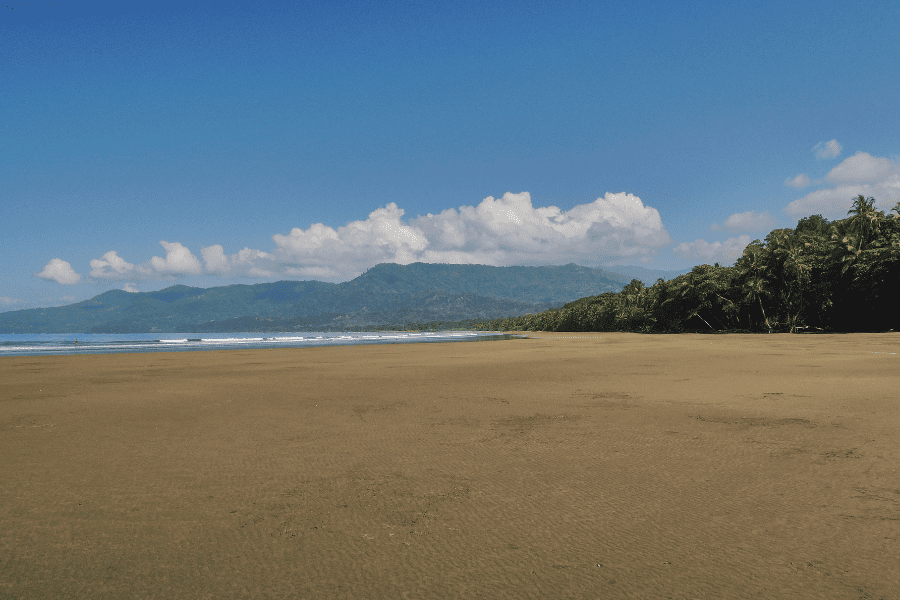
[(387, 295), (820, 276)]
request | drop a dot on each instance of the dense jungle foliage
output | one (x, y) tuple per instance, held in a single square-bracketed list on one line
[(821, 276)]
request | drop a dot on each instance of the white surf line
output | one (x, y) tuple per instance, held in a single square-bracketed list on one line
[(563, 337)]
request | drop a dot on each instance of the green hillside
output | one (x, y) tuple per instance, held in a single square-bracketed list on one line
[(385, 296)]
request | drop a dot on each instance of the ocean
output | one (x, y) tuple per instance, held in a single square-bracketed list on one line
[(38, 344)]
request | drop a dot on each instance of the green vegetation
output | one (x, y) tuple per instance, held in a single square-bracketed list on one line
[(821, 276)]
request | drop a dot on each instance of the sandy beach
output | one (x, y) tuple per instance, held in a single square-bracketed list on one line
[(560, 466)]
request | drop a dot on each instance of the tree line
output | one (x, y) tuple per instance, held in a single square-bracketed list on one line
[(839, 276)]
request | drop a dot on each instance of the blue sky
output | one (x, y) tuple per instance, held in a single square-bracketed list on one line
[(144, 144)]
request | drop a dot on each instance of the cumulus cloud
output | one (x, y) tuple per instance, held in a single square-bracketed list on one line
[(701, 251), (178, 261), (499, 231), (246, 263), (323, 251), (861, 173), (111, 266), (799, 182), (60, 271), (824, 150), (7, 301), (863, 167), (128, 287), (747, 221)]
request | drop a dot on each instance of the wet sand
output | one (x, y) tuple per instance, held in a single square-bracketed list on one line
[(561, 466)]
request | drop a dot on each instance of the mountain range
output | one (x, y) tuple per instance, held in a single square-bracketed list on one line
[(386, 296)]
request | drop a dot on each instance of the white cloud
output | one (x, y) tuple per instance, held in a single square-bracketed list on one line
[(216, 261), (504, 231), (747, 221), (862, 167), (111, 266), (128, 287), (178, 261), (8, 301), (351, 249), (799, 182), (859, 174), (60, 271), (825, 150), (498, 231), (246, 263), (724, 253)]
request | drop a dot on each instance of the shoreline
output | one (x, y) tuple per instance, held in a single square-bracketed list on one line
[(65, 344)]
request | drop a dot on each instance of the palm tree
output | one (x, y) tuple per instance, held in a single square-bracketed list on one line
[(795, 264), (751, 269), (865, 220), (633, 314), (756, 286)]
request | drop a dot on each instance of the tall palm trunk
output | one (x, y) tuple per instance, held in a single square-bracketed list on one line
[(764, 313)]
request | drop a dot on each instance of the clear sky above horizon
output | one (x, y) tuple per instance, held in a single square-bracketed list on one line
[(144, 144)]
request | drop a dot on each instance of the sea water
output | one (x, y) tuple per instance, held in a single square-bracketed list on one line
[(35, 344)]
